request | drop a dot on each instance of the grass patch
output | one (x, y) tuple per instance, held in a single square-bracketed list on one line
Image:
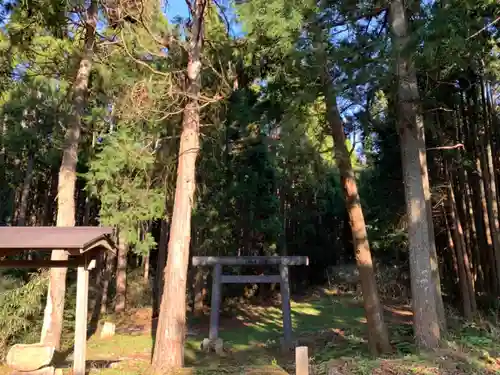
[(334, 329)]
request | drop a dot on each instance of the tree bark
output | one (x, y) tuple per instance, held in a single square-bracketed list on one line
[(23, 206), (411, 132), (451, 245), (87, 210), (464, 274), (436, 279), (121, 275), (145, 263), (160, 267), (169, 346), (4, 188), (378, 337), (145, 230), (477, 136), (466, 214), (48, 209), (96, 281), (53, 315), (106, 278), (478, 202), (489, 169), (200, 291)]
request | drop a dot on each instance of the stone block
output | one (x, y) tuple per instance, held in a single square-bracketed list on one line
[(219, 346), (108, 330), (42, 371), (29, 357)]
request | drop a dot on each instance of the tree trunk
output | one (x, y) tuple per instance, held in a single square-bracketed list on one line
[(436, 279), (483, 220), (145, 276), (465, 278), (121, 275), (475, 195), (160, 267), (489, 169), (451, 245), (169, 346), (145, 230), (87, 210), (481, 173), (48, 209), (378, 337), (23, 206), (411, 132), (200, 291), (466, 212), (106, 278), (476, 253), (53, 315), (4, 188), (96, 281)]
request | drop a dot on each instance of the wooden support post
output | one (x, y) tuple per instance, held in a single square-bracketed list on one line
[(215, 304), (285, 305), (301, 361), (82, 297)]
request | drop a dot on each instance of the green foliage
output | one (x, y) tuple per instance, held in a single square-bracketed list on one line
[(20, 310), (266, 177), (121, 177), (279, 20)]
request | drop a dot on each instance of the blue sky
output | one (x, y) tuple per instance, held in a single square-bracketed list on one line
[(175, 8)]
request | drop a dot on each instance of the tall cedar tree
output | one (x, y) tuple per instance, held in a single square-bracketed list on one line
[(169, 346), (53, 316), (378, 337), (414, 163)]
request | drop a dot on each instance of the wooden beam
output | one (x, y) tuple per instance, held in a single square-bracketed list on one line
[(103, 244), (82, 298), (41, 263), (87, 260), (6, 252), (250, 279), (251, 261)]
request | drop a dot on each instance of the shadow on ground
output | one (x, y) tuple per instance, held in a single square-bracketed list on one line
[(333, 327)]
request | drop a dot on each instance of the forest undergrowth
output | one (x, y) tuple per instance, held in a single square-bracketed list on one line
[(330, 321)]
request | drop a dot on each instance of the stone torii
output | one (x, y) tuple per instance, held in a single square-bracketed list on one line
[(218, 279)]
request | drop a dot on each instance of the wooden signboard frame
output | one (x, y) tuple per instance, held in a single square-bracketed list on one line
[(83, 245)]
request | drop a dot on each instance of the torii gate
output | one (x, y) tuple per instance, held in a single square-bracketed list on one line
[(218, 279)]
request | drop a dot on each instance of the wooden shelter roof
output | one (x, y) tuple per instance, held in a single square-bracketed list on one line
[(75, 240), (85, 244)]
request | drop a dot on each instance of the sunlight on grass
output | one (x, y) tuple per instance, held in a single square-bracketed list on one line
[(334, 329), (306, 309), (119, 346)]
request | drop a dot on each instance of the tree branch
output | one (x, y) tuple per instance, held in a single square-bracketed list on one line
[(457, 146), (484, 28)]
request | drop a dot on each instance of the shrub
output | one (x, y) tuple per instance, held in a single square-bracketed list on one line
[(21, 310)]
